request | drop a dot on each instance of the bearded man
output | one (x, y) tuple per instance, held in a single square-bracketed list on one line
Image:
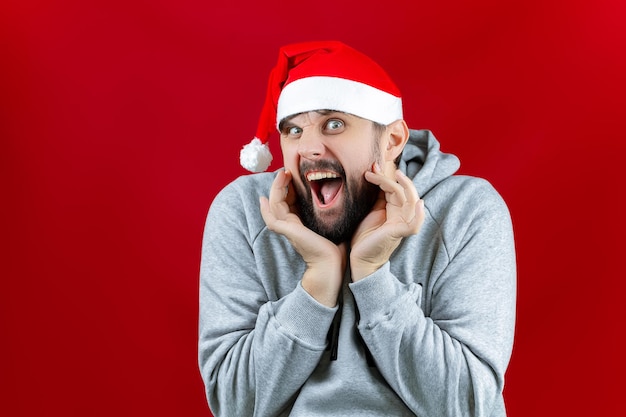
[(363, 278)]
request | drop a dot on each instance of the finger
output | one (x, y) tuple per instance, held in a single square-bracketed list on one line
[(278, 194), (279, 187), (266, 213), (408, 210), (394, 192), (420, 214), (410, 192), (412, 227), (285, 226), (290, 197), (407, 197)]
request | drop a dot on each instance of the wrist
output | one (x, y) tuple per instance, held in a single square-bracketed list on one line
[(323, 283), (360, 269)]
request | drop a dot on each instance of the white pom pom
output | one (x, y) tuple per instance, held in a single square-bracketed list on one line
[(255, 156)]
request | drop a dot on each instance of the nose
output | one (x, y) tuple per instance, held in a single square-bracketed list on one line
[(311, 144)]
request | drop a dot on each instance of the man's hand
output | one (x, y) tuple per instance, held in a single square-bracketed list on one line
[(397, 213), (325, 261)]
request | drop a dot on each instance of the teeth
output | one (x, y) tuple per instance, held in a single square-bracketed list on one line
[(314, 176)]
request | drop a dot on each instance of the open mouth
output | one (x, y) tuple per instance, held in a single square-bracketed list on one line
[(325, 186)]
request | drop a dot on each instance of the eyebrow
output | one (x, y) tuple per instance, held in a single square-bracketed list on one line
[(286, 121)]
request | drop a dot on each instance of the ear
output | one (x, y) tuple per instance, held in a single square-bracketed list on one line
[(397, 134)]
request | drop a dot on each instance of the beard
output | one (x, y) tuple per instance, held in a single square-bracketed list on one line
[(359, 198)]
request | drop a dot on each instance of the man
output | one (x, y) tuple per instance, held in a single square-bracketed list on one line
[(364, 278)]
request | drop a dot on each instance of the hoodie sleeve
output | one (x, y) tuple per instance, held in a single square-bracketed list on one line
[(256, 349), (451, 361)]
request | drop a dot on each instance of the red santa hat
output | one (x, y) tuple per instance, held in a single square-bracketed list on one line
[(327, 75)]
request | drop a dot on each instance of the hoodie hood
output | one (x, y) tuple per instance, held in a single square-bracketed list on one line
[(423, 161)]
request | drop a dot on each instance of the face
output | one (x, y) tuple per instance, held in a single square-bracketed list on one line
[(328, 154)]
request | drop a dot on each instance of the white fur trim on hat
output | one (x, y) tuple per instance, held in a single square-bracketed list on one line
[(332, 93), (255, 156)]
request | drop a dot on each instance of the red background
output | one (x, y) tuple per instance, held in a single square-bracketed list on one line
[(120, 120)]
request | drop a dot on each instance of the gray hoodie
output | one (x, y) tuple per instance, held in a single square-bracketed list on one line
[(429, 334)]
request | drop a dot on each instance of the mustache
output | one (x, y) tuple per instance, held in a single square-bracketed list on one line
[(323, 165)]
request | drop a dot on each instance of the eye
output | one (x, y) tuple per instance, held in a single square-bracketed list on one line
[(334, 125), (292, 131)]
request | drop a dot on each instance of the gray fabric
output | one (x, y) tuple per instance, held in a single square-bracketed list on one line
[(438, 318)]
